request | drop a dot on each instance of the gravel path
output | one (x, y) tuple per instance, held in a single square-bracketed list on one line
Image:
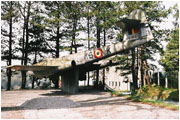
[(90, 104)]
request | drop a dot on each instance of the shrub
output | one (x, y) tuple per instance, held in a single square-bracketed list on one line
[(158, 93)]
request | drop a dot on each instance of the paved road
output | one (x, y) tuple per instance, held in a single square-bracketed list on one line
[(89, 104)]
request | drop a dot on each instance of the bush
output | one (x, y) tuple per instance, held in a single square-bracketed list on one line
[(158, 93), (174, 96)]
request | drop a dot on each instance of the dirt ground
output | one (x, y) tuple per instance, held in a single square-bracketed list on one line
[(88, 104)]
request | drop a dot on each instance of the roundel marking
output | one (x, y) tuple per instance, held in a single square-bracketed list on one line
[(98, 53)]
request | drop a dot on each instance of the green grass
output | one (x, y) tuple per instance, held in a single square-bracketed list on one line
[(153, 102), (159, 93), (155, 96), (118, 93)]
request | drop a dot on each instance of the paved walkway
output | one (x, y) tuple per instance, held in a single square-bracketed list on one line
[(89, 104)]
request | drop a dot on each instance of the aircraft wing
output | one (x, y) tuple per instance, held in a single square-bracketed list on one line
[(39, 71), (32, 68)]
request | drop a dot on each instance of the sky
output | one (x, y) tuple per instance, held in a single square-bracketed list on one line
[(169, 20), (167, 25)]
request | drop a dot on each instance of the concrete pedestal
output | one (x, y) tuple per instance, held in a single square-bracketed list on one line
[(70, 81)]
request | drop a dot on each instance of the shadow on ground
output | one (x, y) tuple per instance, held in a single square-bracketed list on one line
[(82, 90), (59, 100)]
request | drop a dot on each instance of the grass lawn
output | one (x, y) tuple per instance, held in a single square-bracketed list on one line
[(155, 96)]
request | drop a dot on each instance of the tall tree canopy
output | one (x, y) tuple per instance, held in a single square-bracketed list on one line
[(170, 59)]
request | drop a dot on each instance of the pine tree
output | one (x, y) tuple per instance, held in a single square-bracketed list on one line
[(9, 15), (53, 24), (170, 58), (73, 13), (26, 47)]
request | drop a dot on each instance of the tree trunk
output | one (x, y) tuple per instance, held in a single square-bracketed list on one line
[(88, 42), (26, 47), (178, 79), (148, 81), (57, 43), (134, 69), (23, 40), (88, 30), (10, 48), (58, 35), (71, 47), (139, 68), (56, 77), (98, 32), (104, 45), (27, 35), (35, 61), (23, 52), (146, 75), (23, 84), (74, 35), (9, 73), (104, 32), (98, 45), (104, 78), (34, 78), (158, 78), (166, 81), (73, 43), (97, 77)]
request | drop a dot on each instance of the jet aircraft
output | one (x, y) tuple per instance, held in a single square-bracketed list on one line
[(73, 67)]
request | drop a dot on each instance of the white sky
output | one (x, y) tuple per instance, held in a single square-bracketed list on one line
[(167, 25)]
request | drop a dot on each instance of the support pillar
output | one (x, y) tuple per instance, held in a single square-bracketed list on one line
[(70, 81)]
